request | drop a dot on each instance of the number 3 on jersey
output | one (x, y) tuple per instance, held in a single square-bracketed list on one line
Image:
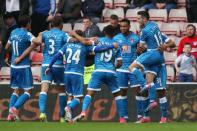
[(51, 47), (106, 56), (73, 56)]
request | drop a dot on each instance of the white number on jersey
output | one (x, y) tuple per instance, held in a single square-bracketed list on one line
[(106, 56), (15, 48), (73, 56), (51, 47)]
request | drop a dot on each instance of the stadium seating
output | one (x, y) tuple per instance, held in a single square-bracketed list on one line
[(108, 3), (108, 12), (36, 70), (102, 25), (158, 15), (178, 15), (170, 29), (131, 14), (170, 57), (78, 26), (170, 73), (119, 3), (134, 27), (175, 39), (181, 3), (36, 58), (5, 73), (67, 27)]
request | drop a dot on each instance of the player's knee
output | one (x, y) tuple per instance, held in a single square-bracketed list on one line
[(16, 91), (144, 94), (60, 89), (90, 92), (117, 94), (124, 92), (161, 93)]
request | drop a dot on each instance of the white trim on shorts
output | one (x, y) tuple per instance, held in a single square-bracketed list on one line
[(91, 89), (22, 66), (22, 88), (73, 73), (161, 88), (44, 65), (122, 70), (137, 85), (138, 63), (148, 71), (77, 96), (115, 91), (123, 87), (102, 70)]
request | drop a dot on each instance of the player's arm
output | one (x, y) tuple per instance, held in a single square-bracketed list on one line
[(102, 48), (36, 41), (81, 39), (168, 43), (7, 55), (118, 59), (142, 43)]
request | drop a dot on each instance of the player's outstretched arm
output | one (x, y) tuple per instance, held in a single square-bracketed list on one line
[(169, 44), (101, 48), (81, 39)]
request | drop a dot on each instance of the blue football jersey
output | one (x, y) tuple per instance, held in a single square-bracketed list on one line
[(20, 39), (53, 40), (152, 36), (75, 54), (105, 61), (132, 40)]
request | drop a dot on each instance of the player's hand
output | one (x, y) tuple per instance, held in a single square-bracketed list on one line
[(47, 71), (162, 48), (140, 50), (115, 45), (50, 18), (7, 61), (17, 60)]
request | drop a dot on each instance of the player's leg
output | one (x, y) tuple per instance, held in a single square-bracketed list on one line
[(161, 92), (123, 79), (58, 78), (76, 85), (25, 81), (45, 81), (111, 82)]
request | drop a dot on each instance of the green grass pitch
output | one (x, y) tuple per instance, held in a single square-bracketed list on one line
[(96, 126)]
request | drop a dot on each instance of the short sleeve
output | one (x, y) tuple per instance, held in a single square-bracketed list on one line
[(66, 38), (30, 37), (164, 38), (143, 36)]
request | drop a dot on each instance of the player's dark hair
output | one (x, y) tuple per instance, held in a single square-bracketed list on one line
[(23, 20), (125, 21), (57, 21), (191, 25), (114, 17), (109, 30), (144, 14), (79, 32)]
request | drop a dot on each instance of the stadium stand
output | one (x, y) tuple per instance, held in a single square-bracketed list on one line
[(108, 12), (67, 27), (131, 14), (108, 3), (179, 15), (102, 25), (158, 15), (171, 29), (119, 3), (78, 26)]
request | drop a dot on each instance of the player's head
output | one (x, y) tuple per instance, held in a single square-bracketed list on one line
[(9, 19), (142, 17), (57, 22), (79, 32), (108, 31), (191, 30), (187, 48), (24, 21), (124, 26), (114, 20)]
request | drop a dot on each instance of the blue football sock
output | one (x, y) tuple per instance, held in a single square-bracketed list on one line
[(86, 103), (119, 106), (21, 100), (145, 103), (163, 106), (75, 102), (13, 99), (139, 76), (152, 93), (42, 102), (139, 106), (125, 106), (62, 103)]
